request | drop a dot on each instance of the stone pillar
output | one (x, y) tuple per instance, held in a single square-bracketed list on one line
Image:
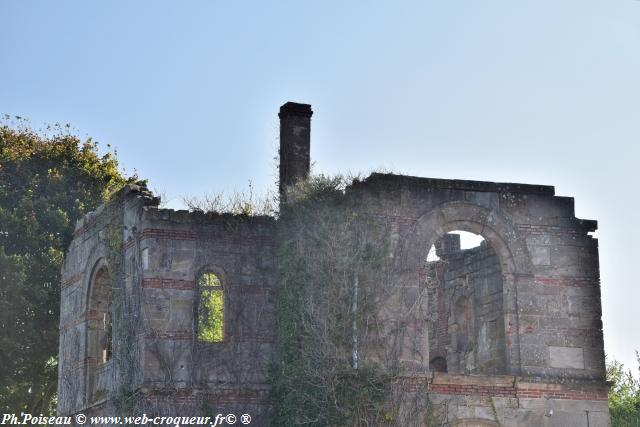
[(295, 135)]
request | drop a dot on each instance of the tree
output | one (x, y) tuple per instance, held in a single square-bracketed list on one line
[(47, 182), (624, 394)]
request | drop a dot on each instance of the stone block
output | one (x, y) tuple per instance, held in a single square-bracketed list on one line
[(534, 355), (540, 255), (566, 418), (566, 357), (598, 419), (524, 418)]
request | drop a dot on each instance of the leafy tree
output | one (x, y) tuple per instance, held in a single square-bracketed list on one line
[(624, 394), (47, 182)]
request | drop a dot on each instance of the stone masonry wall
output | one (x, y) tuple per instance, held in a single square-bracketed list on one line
[(163, 252), (179, 247), (549, 324), (518, 321), (551, 315), (101, 243)]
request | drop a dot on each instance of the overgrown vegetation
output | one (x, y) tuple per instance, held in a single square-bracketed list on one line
[(125, 311), (334, 367), (210, 314), (237, 203), (325, 309), (624, 394), (48, 180)]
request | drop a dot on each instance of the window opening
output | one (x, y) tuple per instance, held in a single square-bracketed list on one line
[(210, 313)]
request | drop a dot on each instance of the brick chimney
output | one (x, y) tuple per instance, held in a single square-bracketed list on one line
[(295, 146)]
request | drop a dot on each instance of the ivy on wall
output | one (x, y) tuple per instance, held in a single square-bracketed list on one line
[(334, 364)]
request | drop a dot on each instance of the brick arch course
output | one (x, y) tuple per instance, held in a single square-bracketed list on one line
[(490, 224)]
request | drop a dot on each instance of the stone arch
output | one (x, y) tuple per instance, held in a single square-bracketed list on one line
[(503, 237), (465, 216)]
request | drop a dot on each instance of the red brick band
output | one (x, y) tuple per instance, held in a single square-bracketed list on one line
[(160, 283), (549, 229), (524, 391), (188, 335), (71, 280), (159, 233), (472, 389), (219, 396), (88, 225)]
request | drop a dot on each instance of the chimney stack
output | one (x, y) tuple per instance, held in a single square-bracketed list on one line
[(295, 146)]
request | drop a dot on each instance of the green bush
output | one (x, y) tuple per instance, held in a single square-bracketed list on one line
[(624, 395), (48, 180)]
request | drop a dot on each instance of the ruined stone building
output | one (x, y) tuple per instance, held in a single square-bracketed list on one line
[(510, 332)]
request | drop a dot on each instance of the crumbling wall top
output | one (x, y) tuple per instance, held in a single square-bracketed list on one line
[(395, 181)]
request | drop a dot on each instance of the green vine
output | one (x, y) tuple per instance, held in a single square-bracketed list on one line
[(332, 258), (123, 338)]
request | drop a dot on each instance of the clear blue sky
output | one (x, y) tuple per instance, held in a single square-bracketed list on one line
[(541, 91)]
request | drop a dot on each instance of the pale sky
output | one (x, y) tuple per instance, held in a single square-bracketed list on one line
[(540, 92)]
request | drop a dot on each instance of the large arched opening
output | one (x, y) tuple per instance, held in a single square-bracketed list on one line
[(465, 292), (99, 331), (512, 256)]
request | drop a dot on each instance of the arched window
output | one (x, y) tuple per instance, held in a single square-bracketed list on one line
[(100, 322), (210, 309)]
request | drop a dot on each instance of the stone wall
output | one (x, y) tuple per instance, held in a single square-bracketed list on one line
[(181, 246), (160, 366), (520, 317), (532, 302), (100, 251), (548, 263)]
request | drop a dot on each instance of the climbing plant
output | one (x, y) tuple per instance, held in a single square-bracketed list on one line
[(125, 309), (624, 394), (332, 259)]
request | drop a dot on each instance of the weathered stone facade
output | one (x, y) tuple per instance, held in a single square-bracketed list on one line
[(510, 333)]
